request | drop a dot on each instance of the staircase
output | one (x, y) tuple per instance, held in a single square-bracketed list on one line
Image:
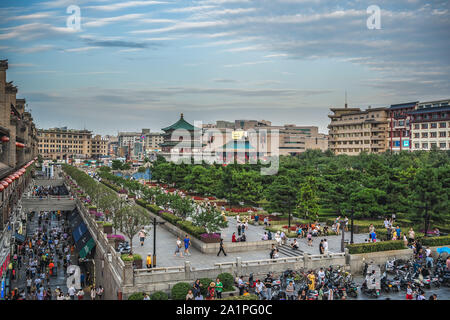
[(287, 251)]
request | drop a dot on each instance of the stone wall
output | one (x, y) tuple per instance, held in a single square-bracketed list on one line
[(356, 261)]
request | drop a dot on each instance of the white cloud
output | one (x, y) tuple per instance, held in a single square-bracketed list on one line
[(100, 22), (81, 49), (125, 5)]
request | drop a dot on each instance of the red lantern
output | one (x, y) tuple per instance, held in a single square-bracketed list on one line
[(2, 188), (5, 139), (16, 175), (8, 180), (5, 183)]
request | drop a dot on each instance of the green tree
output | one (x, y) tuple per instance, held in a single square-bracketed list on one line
[(210, 218), (308, 204), (282, 196), (130, 219), (429, 201)]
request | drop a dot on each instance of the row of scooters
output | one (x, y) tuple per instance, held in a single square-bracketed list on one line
[(336, 281), (399, 274)]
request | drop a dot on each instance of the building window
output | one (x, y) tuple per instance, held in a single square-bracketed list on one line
[(416, 135), (424, 135), (433, 134), (417, 145), (442, 134), (425, 145), (433, 144), (417, 126), (433, 125), (442, 125), (424, 125), (442, 145)]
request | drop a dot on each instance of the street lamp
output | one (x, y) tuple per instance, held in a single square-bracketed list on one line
[(155, 223), (342, 223), (351, 224)]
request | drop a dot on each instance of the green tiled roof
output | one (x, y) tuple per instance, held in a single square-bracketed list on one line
[(181, 124)]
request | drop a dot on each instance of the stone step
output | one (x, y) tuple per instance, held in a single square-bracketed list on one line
[(289, 252)]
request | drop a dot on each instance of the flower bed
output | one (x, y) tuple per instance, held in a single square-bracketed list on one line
[(123, 191), (210, 237), (117, 237), (198, 198), (239, 210), (291, 229)]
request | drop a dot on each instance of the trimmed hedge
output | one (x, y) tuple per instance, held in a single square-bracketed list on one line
[(170, 217), (154, 208), (135, 257), (141, 202), (205, 284), (190, 228), (180, 290), (435, 241), (136, 296), (227, 280), (159, 295), (375, 246)]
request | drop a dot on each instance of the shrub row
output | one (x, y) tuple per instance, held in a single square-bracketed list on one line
[(375, 246), (158, 295), (435, 241), (180, 290), (184, 225)]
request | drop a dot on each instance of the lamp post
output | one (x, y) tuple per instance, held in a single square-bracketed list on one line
[(342, 223), (351, 217), (155, 223)]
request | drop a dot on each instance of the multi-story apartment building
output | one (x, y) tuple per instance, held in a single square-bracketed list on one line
[(430, 125), (353, 130), (153, 141), (64, 144), (400, 126), (99, 147), (136, 145)]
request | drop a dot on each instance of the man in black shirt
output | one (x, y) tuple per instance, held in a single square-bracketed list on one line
[(321, 247), (268, 283), (221, 248)]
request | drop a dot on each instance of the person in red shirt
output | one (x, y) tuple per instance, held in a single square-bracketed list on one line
[(50, 267), (233, 237)]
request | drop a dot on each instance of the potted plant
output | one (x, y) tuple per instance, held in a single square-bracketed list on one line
[(107, 227), (118, 239)]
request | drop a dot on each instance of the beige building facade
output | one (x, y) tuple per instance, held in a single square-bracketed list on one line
[(63, 143), (353, 130)]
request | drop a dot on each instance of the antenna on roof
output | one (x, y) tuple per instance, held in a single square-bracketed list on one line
[(346, 105)]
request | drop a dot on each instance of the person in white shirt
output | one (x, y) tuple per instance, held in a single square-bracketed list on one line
[(325, 246), (72, 292), (260, 289), (321, 275), (278, 238)]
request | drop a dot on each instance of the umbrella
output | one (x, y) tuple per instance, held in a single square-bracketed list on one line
[(443, 249)]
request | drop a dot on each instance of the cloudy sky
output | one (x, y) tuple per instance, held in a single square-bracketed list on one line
[(139, 64)]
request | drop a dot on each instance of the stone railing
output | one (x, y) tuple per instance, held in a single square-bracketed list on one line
[(151, 280)]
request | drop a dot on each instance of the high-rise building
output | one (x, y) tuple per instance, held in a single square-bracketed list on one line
[(353, 130)]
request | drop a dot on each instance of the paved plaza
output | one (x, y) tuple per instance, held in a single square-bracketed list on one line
[(166, 243)]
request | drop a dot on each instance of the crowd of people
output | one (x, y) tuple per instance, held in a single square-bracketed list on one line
[(45, 191)]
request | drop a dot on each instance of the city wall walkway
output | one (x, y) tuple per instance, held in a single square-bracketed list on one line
[(50, 203)]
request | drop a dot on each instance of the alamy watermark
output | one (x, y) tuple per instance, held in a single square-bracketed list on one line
[(374, 20), (226, 146), (74, 20)]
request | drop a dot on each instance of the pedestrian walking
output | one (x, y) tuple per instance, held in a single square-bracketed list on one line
[(178, 248), (187, 244), (142, 236), (221, 248), (93, 293)]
